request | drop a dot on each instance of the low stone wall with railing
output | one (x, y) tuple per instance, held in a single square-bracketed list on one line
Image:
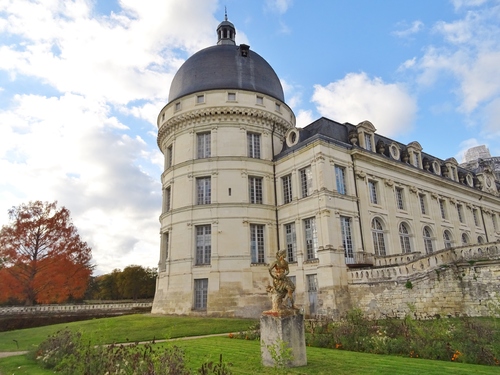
[(73, 309), (407, 266), (458, 281)]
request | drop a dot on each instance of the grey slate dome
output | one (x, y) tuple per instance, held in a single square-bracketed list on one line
[(226, 66)]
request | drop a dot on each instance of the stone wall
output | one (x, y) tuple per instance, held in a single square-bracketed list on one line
[(451, 282)]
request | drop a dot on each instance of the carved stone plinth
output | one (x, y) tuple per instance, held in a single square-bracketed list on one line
[(278, 330)]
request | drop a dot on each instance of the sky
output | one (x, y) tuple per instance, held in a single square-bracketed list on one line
[(82, 83)]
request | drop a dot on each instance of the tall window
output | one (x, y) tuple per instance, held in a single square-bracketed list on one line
[(476, 217), (311, 236), (340, 179), (345, 229), (465, 239), (168, 193), (287, 188), (306, 181), (480, 239), (253, 142), (255, 189), (428, 240), (421, 198), (168, 157), (165, 243), (372, 187), (291, 242), (203, 190), (448, 242), (203, 244), (460, 213), (494, 220), (378, 237), (442, 208), (312, 293), (399, 198), (404, 238), (257, 243), (368, 142), (200, 294), (204, 145)]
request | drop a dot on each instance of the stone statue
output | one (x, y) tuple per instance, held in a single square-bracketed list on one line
[(282, 288)]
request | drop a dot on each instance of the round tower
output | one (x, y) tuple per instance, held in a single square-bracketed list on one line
[(225, 120)]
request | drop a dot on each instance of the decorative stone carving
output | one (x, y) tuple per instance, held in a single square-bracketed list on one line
[(413, 190), (389, 182), (360, 174)]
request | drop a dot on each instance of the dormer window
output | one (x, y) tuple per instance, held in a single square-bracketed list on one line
[(368, 142)]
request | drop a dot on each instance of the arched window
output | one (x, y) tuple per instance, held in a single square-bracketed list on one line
[(448, 243), (428, 240), (480, 239), (378, 237), (465, 239), (404, 238)]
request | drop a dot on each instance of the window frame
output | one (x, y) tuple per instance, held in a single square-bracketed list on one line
[(254, 145), (400, 203), (372, 190), (447, 239), (306, 181), (442, 209), (347, 236), (423, 203), (378, 237), (200, 294), (203, 190), (168, 199), (427, 237), (203, 243), (340, 179), (310, 238), (257, 243), (203, 145), (290, 242), (404, 238), (255, 190), (286, 184)]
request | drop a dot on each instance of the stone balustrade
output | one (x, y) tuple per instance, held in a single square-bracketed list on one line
[(66, 309), (406, 266)]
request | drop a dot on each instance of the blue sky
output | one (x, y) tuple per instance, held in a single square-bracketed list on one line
[(82, 82)]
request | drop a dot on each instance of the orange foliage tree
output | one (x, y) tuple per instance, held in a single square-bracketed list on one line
[(42, 258)]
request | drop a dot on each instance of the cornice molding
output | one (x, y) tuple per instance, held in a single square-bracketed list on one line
[(209, 115)]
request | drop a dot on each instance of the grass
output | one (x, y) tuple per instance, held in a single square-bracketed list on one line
[(128, 328), (245, 357)]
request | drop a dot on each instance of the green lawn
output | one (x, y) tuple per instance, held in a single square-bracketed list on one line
[(245, 357), (128, 328)]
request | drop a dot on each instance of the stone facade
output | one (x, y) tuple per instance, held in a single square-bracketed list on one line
[(242, 182)]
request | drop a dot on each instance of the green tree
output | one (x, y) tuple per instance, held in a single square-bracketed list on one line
[(137, 282)]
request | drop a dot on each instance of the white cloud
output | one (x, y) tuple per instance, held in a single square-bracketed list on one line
[(119, 57), (356, 98), (458, 4), (279, 6), (69, 149), (408, 30), (304, 118)]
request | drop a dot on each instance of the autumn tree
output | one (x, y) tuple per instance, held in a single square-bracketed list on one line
[(43, 258)]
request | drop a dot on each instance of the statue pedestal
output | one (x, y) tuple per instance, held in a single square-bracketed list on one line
[(278, 330)]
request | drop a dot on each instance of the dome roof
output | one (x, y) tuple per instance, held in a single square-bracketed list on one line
[(226, 66)]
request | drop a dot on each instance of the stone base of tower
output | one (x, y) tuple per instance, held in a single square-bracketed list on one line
[(282, 338)]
